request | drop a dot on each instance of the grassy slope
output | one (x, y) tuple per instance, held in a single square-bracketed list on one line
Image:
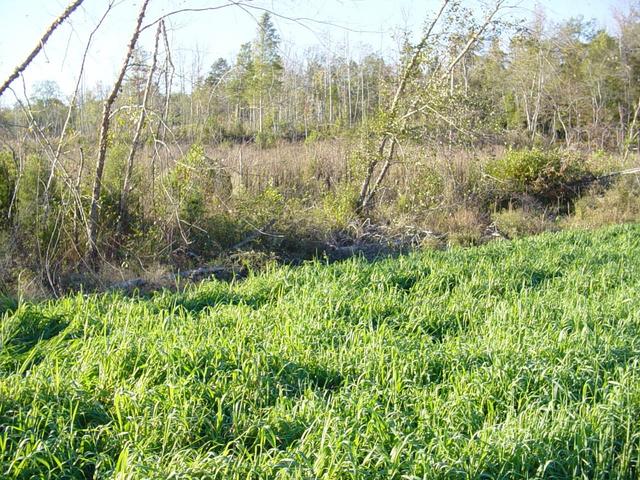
[(511, 360)]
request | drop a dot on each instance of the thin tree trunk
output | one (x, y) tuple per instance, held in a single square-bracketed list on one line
[(168, 80), (72, 104), (632, 128), (367, 192), (92, 233), (77, 210), (135, 144)]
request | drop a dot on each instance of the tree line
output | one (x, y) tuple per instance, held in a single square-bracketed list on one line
[(570, 82)]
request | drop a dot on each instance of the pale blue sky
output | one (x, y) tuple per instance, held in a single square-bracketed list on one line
[(206, 36)]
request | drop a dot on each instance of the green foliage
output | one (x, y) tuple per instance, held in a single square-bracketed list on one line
[(219, 69), (426, 186), (265, 139), (188, 168), (197, 183), (7, 304), (261, 209), (313, 137), (30, 207), (339, 206), (536, 171), (523, 167), (7, 184), (513, 116), (113, 181), (514, 360)]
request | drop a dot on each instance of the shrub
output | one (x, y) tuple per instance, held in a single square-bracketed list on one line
[(339, 206), (262, 209), (313, 137), (36, 228), (425, 187), (543, 173), (265, 140)]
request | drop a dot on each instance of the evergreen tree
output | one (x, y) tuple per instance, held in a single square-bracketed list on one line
[(217, 72), (267, 69)]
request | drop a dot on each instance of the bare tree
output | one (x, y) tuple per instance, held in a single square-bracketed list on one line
[(72, 105), (92, 232), (389, 141), (366, 192), (138, 131)]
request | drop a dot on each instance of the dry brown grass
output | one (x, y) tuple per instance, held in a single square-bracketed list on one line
[(306, 192), (296, 169), (618, 204), (522, 221)]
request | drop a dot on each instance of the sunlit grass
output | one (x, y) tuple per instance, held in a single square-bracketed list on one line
[(513, 360)]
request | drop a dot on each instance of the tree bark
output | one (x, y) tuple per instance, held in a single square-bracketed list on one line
[(58, 21), (135, 144), (92, 233)]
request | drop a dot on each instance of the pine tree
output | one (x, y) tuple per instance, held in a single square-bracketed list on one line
[(267, 69), (217, 72)]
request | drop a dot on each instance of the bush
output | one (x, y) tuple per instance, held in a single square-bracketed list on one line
[(313, 137), (544, 173), (425, 188), (339, 206), (265, 140), (262, 209)]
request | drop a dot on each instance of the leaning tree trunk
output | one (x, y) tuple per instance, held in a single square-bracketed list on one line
[(92, 232), (366, 192), (135, 144), (58, 21), (388, 142), (632, 130)]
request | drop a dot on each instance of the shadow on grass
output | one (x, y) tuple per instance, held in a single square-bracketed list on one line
[(200, 302), (31, 327), (7, 305), (27, 330)]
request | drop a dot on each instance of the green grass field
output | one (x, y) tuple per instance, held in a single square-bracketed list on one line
[(512, 360)]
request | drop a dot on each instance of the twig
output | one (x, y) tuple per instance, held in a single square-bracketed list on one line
[(20, 68)]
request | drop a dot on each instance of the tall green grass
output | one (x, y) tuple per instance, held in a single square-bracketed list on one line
[(513, 360)]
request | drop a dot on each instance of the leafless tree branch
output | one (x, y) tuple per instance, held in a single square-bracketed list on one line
[(57, 22), (102, 146)]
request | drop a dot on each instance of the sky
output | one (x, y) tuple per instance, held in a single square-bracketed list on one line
[(348, 27)]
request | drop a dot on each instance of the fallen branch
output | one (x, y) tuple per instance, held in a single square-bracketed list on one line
[(255, 234), (629, 171), (199, 273), (603, 179)]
